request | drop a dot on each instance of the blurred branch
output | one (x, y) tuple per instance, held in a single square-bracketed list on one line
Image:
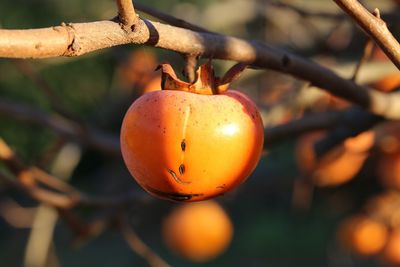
[(374, 26), (343, 124), (306, 13), (80, 38), (368, 49), (67, 128), (169, 19), (27, 182), (126, 14), (16, 215), (310, 122), (137, 245), (57, 104), (190, 67)]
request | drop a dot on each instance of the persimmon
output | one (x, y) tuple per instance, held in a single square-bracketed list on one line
[(336, 167), (363, 235), (360, 143), (391, 252), (388, 83), (198, 231), (192, 141)]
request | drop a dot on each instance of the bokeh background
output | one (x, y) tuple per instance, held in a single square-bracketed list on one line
[(278, 219)]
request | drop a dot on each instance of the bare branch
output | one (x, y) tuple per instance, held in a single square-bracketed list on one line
[(368, 49), (81, 38), (138, 246), (67, 128), (126, 13), (343, 124), (374, 26), (190, 67), (170, 19), (57, 104), (69, 197)]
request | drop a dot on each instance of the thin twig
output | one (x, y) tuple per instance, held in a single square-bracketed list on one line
[(169, 19), (374, 26), (306, 13), (57, 104), (368, 49), (138, 246), (69, 129), (126, 13), (190, 67), (27, 182)]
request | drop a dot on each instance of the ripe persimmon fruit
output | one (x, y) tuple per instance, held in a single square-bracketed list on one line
[(198, 231), (363, 235), (192, 141), (391, 252), (339, 165)]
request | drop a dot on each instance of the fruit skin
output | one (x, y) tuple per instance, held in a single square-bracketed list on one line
[(184, 146), (363, 235), (198, 231)]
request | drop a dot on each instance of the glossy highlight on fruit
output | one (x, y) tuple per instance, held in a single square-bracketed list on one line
[(198, 231), (187, 146)]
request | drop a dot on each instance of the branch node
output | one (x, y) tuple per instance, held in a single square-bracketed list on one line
[(127, 15)]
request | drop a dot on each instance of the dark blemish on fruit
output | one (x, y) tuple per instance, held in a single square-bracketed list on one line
[(183, 145), (173, 196), (182, 169), (176, 178)]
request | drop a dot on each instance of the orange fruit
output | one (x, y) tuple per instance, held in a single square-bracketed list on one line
[(388, 83), (337, 166), (186, 146), (198, 231), (391, 252), (363, 235), (360, 143)]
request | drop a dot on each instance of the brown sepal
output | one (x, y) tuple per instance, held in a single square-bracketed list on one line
[(205, 83)]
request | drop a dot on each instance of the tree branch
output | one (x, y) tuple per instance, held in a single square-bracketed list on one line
[(137, 245), (67, 128), (28, 182), (374, 26), (126, 14), (78, 39), (170, 19)]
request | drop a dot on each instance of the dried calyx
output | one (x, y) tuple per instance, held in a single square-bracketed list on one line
[(205, 83)]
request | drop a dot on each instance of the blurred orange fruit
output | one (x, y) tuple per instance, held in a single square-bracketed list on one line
[(388, 83), (336, 167), (198, 231), (360, 143), (391, 252), (363, 235)]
